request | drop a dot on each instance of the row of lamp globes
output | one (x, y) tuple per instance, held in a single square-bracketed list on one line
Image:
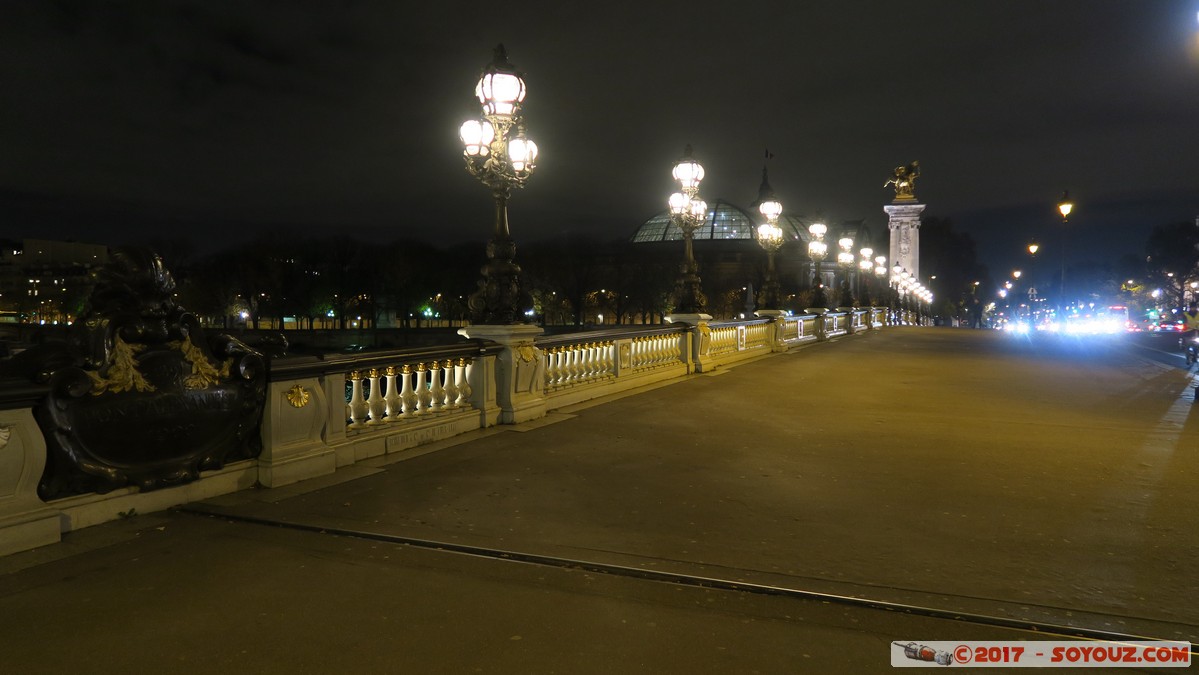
[(910, 288), (818, 250), (499, 154), (688, 211)]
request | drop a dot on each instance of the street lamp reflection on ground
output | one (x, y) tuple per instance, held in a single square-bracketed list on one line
[(817, 250), (498, 153), (687, 211), (770, 238)]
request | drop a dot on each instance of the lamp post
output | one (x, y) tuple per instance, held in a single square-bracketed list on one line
[(817, 249), (770, 238), (498, 153), (905, 286), (880, 273), (1064, 207), (687, 211), (845, 262), (865, 265)]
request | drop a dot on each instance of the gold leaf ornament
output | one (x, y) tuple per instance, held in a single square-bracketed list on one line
[(298, 396)]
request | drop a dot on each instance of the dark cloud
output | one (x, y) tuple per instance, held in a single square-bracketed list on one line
[(316, 116)]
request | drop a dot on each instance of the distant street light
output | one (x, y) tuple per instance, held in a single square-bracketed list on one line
[(845, 260), (880, 273), (770, 238), (1064, 207), (687, 211), (817, 250), (498, 153)]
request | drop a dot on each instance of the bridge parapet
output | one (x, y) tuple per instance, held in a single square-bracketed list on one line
[(326, 413)]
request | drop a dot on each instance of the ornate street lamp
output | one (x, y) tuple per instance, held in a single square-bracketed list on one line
[(865, 265), (498, 153), (687, 211), (845, 261), (770, 238), (817, 249), (1064, 207)]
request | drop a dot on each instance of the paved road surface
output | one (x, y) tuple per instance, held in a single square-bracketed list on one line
[(1036, 480)]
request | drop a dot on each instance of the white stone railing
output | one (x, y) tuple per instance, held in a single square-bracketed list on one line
[(579, 363), (583, 366), (326, 413), (407, 391)]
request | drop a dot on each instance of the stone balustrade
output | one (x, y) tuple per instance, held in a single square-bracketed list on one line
[(325, 413)]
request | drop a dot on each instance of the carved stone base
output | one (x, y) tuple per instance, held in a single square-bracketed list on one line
[(520, 370), (25, 521)]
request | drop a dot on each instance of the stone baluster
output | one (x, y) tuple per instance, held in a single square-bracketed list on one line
[(572, 365), (464, 390), (586, 350), (395, 405), (436, 390), (408, 392), (421, 385), (374, 401), (553, 370), (357, 405), (451, 384)]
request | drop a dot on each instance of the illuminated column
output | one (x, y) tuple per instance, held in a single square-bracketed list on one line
[(904, 223)]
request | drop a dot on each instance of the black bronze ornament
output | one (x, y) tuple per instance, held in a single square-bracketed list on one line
[(138, 395)]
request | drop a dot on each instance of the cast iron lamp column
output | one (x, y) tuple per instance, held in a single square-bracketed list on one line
[(865, 265), (502, 158), (1064, 207), (845, 262), (817, 249), (770, 238), (687, 211)]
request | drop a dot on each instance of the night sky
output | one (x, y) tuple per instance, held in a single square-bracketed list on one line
[(130, 121)]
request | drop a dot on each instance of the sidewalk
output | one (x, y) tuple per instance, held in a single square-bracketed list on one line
[(861, 489)]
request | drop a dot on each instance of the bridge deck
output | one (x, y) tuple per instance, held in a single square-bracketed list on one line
[(1043, 481)]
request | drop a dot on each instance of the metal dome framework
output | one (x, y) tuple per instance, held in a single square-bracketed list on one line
[(725, 221)]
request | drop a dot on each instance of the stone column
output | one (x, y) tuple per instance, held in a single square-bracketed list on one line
[(821, 326), (700, 337), (297, 416), (519, 370), (904, 222)]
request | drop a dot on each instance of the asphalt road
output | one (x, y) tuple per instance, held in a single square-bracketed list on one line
[(751, 520)]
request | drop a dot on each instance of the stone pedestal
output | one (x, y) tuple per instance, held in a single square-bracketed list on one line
[(25, 520), (777, 317), (821, 328), (904, 222), (296, 421), (848, 319), (519, 370), (701, 340)]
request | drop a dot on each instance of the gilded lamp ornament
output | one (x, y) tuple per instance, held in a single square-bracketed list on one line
[(502, 157)]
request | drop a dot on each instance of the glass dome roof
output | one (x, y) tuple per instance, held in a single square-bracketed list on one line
[(725, 221)]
